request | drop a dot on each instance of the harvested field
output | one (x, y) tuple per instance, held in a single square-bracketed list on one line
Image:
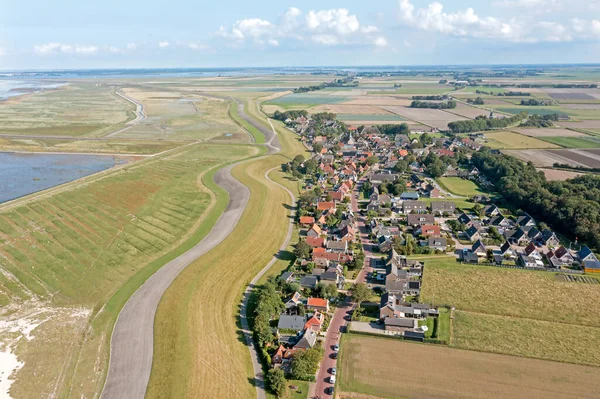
[(542, 158), (586, 124), (532, 110), (587, 158), (549, 132), (373, 118), (526, 337), (455, 373), (308, 98), (573, 94), (350, 109), (595, 107), (379, 100), (432, 117), (559, 175), (511, 292), (510, 140), (468, 111)]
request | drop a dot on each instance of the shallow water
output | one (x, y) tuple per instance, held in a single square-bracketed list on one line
[(22, 174)]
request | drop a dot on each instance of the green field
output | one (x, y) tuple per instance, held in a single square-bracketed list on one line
[(510, 140), (495, 304), (259, 137), (370, 117), (573, 142), (534, 110), (460, 186), (307, 98), (461, 203)]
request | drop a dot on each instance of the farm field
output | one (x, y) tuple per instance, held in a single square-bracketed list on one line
[(534, 110), (586, 124), (589, 158), (549, 132), (574, 142), (379, 100), (494, 303), (318, 97), (74, 110), (556, 174), (468, 111), (460, 186), (432, 117), (510, 140), (543, 158), (458, 373), (190, 359), (351, 109)]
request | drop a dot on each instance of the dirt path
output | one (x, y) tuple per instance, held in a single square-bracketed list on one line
[(140, 116)]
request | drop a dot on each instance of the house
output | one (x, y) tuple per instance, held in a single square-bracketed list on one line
[(308, 340), (429, 230), (438, 243), (325, 205), (531, 250), (315, 322), (549, 238), (473, 234), (419, 219), (309, 282), (464, 219), (414, 207), (491, 210), (409, 196), (479, 249), (414, 336), (400, 325), (346, 233), (283, 356), (385, 244), (506, 250), (317, 304), (294, 301), (340, 247), (529, 262), (443, 207), (533, 234), (307, 220), (396, 279), (287, 277), (315, 242), (585, 254), (378, 178), (315, 231), (500, 221), (560, 257), (434, 193), (516, 236), (289, 322), (470, 257), (525, 220), (591, 266), (332, 276), (391, 305)]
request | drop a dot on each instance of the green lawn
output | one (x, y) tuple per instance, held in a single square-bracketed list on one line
[(460, 203), (460, 186), (257, 134), (572, 142)]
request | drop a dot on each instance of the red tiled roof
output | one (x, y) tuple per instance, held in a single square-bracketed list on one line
[(315, 242), (317, 302), (324, 206), (307, 220)]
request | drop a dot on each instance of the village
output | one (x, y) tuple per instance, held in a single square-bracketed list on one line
[(371, 203)]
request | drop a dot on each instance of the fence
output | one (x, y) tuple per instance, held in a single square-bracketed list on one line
[(539, 269)]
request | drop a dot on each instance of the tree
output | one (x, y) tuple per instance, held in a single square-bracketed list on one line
[(360, 293), (478, 209), (305, 363), (372, 160), (330, 291), (302, 250), (317, 147), (277, 382)]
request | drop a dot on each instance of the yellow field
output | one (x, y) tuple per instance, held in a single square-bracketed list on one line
[(393, 369), (512, 140)]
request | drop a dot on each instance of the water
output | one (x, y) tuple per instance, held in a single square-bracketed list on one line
[(12, 87), (23, 174)]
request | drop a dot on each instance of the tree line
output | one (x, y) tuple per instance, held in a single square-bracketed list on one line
[(430, 98), (570, 206), (346, 82), (292, 114), (426, 104), (535, 103), (482, 123)]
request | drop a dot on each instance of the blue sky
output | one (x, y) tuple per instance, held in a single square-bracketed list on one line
[(41, 34)]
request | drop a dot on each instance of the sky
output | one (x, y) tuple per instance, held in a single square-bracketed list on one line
[(62, 34)]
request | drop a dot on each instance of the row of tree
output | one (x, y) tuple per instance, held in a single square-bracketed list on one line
[(346, 82), (535, 103), (477, 101), (428, 104), (540, 120), (570, 206), (430, 98), (482, 123), (291, 114)]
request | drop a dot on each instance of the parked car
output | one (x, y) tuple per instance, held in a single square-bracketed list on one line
[(333, 371), (332, 379), (330, 390), (336, 347)]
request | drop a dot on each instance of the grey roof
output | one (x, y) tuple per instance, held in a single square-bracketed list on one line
[(286, 276), (436, 241), (470, 257), (420, 218), (399, 322), (505, 247), (478, 246), (337, 245), (471, 231), (308, 340), (414, 204), (442, 206), (410, 195), (288, 322), (308, 281)]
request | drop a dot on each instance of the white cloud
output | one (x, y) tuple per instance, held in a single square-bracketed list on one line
[(199, 46), (131, 46), (58, 48), (3, 52), (115, 50), (324, 27), (163, 44), (468, 24)]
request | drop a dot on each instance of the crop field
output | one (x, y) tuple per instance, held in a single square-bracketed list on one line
[(594, 107), (351, 109), (573, 142), (453, 373), (589, 158), (460, 186), (374, 118), (534, 110), (307, 98), (74, 110), (543, 158), (586, 124), (432, 117), (558, 175), (182, 116), (573, 95), (379, 100), (420, 89), (493, 302), (66, 252), (510, 140), (549, 132), (468, 111)]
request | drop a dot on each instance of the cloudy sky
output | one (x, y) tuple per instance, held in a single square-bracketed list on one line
[(41, 34)]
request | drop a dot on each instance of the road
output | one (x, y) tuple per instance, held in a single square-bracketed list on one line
[(140, 116), (131, 347)]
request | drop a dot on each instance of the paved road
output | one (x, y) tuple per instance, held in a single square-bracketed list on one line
[(132, 340)]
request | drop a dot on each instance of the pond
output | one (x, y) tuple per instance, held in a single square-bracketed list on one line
[(23, 174)]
